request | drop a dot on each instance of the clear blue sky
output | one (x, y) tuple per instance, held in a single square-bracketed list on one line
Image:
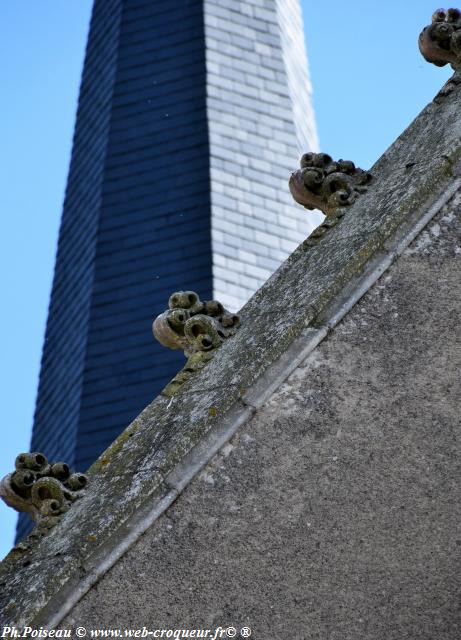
[(369, 83)]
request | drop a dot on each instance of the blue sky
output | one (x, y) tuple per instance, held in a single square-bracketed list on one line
[(369, 83)]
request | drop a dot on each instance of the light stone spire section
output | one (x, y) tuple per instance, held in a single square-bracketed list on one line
[(296, 65), (261, 120)]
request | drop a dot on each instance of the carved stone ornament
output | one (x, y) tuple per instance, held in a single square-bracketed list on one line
[(43, 490), (440, 42), (196, 327), (324, 184)]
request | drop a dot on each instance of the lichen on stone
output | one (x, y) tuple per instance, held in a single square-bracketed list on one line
[(324, 184), (42, 489), (196, 327), (440, 42), (319, 232)]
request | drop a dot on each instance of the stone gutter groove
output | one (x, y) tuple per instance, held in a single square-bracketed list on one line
[(309, 338), (147, 467)]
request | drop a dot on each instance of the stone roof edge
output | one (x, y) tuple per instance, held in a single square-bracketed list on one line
[(147, 467)]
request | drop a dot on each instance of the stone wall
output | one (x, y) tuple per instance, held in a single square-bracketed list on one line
[(334, 512), (357, 447)]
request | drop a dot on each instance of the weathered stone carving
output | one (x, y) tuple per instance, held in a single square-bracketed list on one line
[(440, 42), (43, 490), (196, 327), (324, 184)]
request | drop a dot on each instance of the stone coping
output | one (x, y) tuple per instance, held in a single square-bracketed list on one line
[(149, 464)]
